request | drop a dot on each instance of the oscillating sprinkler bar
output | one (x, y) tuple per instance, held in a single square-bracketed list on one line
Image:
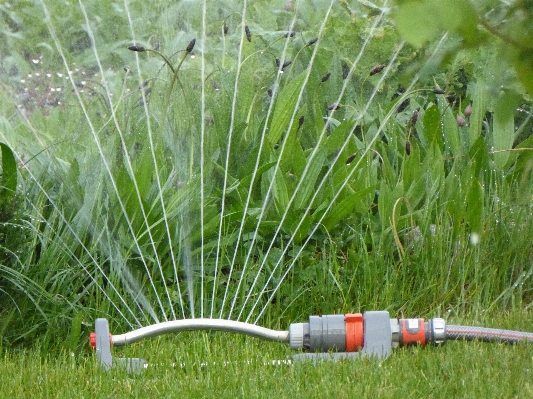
[(372, 334), (199, 324)]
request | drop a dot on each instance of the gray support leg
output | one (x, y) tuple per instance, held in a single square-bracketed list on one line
[(377, 334), (103, 346)]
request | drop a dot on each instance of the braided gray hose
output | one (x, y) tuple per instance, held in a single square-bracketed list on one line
[(487, 334)]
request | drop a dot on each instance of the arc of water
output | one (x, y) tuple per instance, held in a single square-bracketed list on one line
[(374, 138), (159, 186), (312, 155), (85, 250), (276, 169), (128, 159), (202, 155), (99, 147), (78, 239), (252, 181), (228, 151)]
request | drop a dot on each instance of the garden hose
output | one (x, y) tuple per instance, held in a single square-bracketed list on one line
[(372, 334)]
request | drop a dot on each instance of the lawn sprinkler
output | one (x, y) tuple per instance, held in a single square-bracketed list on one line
[(372, 334)]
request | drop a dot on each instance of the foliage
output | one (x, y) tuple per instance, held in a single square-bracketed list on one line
[(504, 26), (225, 181)]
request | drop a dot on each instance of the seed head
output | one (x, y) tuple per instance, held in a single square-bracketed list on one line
[(248, 34), (350, 159), (326, 77), (405, 103), (285, 64), (334, 106), (225, 29), (414, 117), (139, 49), (377, 69), (290, 34), (312, 41), (301, 121), (345, 70), (408, 147), (439, 91), (191, 45)]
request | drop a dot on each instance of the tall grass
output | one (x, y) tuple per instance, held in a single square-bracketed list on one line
[(260, 175)]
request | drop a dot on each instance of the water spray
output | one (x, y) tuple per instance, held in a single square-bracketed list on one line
[(372, 334)]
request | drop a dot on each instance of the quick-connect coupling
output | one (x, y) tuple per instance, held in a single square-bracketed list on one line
[(373, 331), (340, 333), (418, 331)]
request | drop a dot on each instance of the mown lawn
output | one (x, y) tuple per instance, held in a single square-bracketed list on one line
[(227, 366)]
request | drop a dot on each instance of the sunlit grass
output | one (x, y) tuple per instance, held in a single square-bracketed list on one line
[(228, 366)]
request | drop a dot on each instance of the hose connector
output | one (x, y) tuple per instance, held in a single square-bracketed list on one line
[(369, 334), (341, 336)]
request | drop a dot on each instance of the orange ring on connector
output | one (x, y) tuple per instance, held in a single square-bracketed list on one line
[(410, 335), (354, 332), (92, 339)]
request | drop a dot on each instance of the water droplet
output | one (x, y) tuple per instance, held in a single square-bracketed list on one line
[(474, 238)]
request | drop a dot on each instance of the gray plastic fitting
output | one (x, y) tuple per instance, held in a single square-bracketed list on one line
[(328, 333)]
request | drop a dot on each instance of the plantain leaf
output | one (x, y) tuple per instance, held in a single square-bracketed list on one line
[(347, 207), (503, 130), (285, 107), (308, 187), (433, 126), (9, 169)]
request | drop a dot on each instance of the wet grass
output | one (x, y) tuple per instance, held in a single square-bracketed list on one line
[(227, 366)]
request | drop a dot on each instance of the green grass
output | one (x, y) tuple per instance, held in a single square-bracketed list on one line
[(239, 366), (374, 210)]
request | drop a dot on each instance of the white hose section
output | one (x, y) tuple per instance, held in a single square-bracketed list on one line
[(487, 334), (199, 324)]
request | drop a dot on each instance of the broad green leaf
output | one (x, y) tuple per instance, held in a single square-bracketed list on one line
[(503, 130), (479, 156), (387, 198), (411, 21), (452, 134), (523, 61), (421, 21), (279, 188), (9, 169), (285, 107), (478, 90), (347, 207), (415, 177), (302, 232), (412, 168), (310, 179)]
